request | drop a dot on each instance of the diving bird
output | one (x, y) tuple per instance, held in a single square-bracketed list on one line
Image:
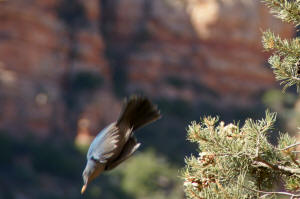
[(116, 143)]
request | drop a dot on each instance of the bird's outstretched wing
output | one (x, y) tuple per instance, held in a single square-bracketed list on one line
[(105, 144), (129, 148)]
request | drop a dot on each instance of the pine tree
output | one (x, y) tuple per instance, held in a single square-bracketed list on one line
[(238, 161)]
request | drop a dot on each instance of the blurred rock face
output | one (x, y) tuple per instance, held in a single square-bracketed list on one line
[(65, 60), (211, 44)]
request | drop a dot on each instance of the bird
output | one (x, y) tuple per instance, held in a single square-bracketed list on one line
[(116, 142)]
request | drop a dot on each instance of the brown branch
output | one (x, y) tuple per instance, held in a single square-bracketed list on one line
[(264, 163), (290, 146), (273, 192)]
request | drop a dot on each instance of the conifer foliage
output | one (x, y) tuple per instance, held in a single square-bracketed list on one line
[(285, 60), (238, 161)]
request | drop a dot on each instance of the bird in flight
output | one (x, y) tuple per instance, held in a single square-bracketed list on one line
[(116, 143)]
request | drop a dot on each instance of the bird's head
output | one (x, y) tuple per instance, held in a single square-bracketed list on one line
[(91, 171)]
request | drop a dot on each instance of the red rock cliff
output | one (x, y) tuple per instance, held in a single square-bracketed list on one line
[(64, 60)]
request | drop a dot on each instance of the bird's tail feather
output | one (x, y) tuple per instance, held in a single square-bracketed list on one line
[(137, 112)]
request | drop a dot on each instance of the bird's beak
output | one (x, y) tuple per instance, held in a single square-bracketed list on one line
[(83, 188)]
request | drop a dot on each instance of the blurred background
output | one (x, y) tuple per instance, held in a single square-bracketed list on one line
[(66, 66)]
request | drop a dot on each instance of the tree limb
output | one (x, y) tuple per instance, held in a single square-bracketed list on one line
[(259, 161), (290, 146)]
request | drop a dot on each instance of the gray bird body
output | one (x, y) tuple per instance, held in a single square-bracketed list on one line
[(116, 143)]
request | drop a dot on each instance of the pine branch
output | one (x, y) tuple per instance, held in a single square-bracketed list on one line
[(285, 10), (230, 154), (286, 53), (286, 70), (283, 47)]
